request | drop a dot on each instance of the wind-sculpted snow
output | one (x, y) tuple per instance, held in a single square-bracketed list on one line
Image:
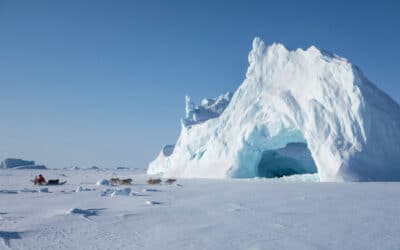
[(349, 129)]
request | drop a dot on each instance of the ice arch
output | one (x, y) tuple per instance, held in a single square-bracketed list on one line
[(293, 159), (281, 148), (351, 128)]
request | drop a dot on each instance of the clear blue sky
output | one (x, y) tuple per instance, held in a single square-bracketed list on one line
[(103, 82)]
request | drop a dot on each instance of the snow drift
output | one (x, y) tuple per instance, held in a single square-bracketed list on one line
[(301, 111)]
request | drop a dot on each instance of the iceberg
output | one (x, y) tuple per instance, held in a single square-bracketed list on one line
[(20, 164), (13, 163), (297, 112)]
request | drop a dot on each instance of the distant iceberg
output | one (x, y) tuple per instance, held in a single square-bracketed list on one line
[(20, 164), (297, 112)]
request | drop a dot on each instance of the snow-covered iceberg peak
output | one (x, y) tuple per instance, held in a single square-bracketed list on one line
[(296, 112), (210, 108)]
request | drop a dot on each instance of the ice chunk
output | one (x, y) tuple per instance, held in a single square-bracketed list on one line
[(107, 192), (103, 182), (153, 203), (121, 192)]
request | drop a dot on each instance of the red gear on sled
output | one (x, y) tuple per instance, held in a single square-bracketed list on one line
[(40, 180)]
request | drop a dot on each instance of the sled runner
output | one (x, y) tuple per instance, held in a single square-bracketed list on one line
[(51, 183)]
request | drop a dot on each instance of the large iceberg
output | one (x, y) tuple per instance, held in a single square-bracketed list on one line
[(297, 112)]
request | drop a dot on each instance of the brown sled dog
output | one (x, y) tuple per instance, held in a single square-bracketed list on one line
[(118, 181), (153, 181)]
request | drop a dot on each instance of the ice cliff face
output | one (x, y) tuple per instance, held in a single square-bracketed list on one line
[(299, 111), (208, 109)]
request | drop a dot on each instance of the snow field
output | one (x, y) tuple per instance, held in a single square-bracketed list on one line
[(197, 214)]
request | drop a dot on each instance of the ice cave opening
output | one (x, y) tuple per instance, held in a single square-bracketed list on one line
[(294, 158)]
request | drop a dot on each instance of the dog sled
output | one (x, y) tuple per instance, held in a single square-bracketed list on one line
[(51, 182)]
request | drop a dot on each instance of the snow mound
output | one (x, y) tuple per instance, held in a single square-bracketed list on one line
[(151, 190), (121, 192), (345, 128), (43, 190), (103, 182), (153, 203), (106, 192), (122, 168), (81, 189)]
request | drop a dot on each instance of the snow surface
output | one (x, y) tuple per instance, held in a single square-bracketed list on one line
[(350, 128), (197, 213)]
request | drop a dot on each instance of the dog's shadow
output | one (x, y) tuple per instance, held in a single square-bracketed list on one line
[(86, 213)]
